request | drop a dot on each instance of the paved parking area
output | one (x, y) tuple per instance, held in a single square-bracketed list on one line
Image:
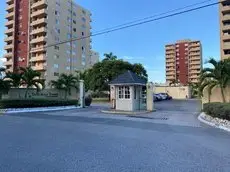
[(87, 140), (174, 112)]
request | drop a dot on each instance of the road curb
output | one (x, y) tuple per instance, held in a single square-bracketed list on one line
[(125, 112), (201, 118), (42, 109)]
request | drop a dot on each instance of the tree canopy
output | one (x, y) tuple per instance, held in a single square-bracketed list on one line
[(65, 82), (98, 77), (219, 76)]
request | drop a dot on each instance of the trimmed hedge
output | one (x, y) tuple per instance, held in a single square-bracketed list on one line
[(218, 110), (99, 95), (35, 103)]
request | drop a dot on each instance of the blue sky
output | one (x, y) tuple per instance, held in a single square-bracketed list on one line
[(145, 43)]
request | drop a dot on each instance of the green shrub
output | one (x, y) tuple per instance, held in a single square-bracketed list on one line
[(218, 110), (35, 103), (99, 95), (88, 101)]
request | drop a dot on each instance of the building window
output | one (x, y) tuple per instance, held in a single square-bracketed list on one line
[(56, 66), (67, 68), (56, 74), (57, 21), (124, 92), (69, 36), (121, 92), (127, 93)]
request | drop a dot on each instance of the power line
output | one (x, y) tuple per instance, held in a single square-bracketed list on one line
[(132, 25), (156, 15)]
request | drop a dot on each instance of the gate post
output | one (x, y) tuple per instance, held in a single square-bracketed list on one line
[(149, 96), (82, 94)]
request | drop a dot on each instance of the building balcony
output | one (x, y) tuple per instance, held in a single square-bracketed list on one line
[(39, 13), (170, 60), (9, 23), (194, 44), (226, 37), (10, 16), (171, 56), (8, 47), (226, 9), (10, 8), (194, 72), (226, 56), (226, 17), (39, 67), (40, 39), (170, 73), (170, 64), (39, 58), (8, 63), (171, 47), (38, 49), (9, 39), (9, 31), (8, 55), (194, 49), (226, 46), (40, 4), (39, 21), (170, 77), (170, 69), (193, 77), (194, 54), (195, 62), (38, 30), (226, 27), (194, 67), (10, 2)]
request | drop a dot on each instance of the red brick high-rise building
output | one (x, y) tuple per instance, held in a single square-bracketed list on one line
[(183, 62), (33, 26)]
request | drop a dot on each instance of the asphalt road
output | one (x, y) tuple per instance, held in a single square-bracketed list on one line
[(61, 141)]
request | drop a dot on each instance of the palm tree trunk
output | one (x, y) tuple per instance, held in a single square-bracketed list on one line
[(222, 93)]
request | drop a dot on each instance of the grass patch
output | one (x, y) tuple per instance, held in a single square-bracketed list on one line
[(101, 100)]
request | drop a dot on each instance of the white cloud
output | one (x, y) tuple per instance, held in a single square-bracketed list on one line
[(127, 58), (2, 60), (131, 58)]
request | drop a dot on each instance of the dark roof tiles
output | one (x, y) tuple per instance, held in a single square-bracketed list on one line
[(128, 78)]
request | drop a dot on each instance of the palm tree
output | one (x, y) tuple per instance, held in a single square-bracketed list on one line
[(206, 84), (110, 56), (31, 79), (194, 88), (14, 79), (217, 76), (65, 82)]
